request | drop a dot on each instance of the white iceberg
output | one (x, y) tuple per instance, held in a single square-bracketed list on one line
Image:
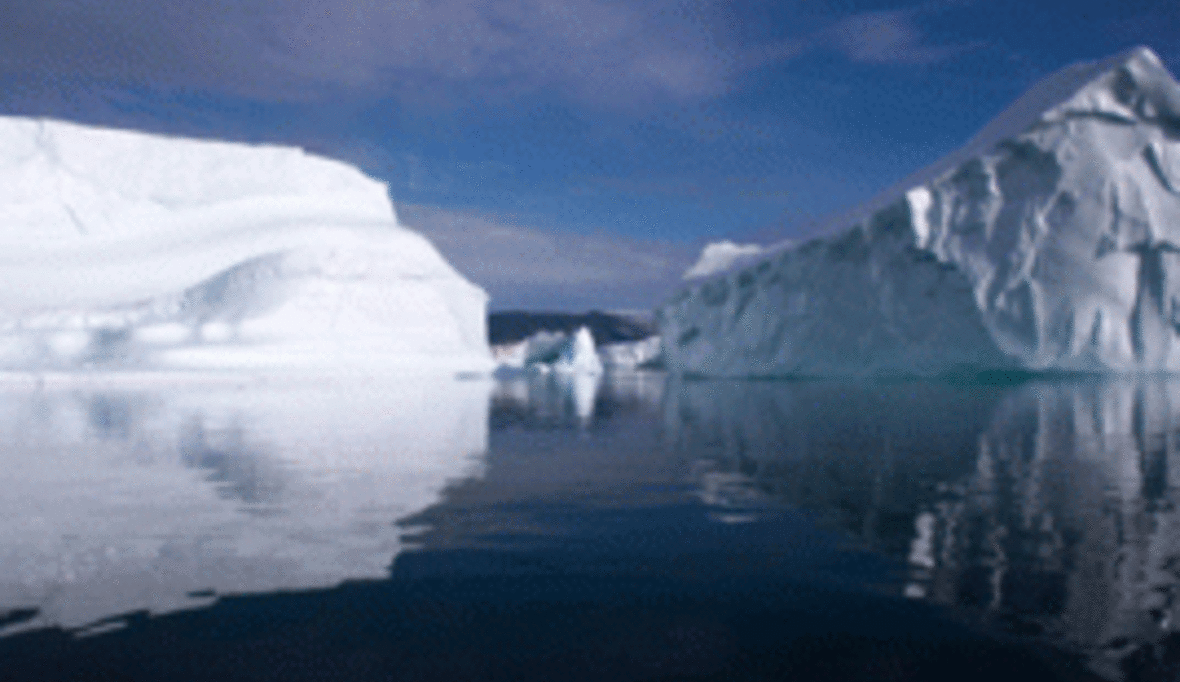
[(627, 355), (510, 355), (540, 349), (125, 249), (551, 351), (1051, 241), (578, 355)]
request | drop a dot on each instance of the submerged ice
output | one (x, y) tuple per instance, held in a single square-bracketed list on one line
[(124, 249), (1051, 241)]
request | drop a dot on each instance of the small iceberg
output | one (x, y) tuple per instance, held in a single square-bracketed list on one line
[(548, 351), (578, 355)]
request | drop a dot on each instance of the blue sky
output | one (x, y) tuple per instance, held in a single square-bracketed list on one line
[(572, 153)]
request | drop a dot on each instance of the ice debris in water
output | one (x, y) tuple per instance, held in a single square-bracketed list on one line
[(1051, 241)]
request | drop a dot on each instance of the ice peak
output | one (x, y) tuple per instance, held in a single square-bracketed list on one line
[(1137, 78), (1143, 54), (1129, 87)]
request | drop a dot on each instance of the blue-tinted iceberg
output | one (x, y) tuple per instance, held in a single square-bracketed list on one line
[(123, 249), (1051, 241)]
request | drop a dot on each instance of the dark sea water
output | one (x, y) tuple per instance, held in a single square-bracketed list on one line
[(632, 528)]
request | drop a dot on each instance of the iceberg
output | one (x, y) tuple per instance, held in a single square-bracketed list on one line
[(555, 351), (122, 249), (578, 355), (539, 349), (1050, 242), (630, 355)]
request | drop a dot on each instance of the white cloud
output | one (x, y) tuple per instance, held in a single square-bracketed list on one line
[(603, 51), (888, 37)]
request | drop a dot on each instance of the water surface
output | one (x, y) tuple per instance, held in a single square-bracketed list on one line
[(628, 528)]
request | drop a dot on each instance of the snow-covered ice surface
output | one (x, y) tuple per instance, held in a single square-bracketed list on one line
[(1051, 241), (121, 249), (115, 501), (720, 256)]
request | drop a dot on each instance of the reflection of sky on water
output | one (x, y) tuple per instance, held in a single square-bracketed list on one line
[(118, 501)]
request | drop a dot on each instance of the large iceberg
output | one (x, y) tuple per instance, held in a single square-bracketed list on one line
[(1051, 241), (124, 249)]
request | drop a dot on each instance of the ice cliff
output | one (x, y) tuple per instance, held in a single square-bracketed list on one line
[(1051, 241), (125, 249)]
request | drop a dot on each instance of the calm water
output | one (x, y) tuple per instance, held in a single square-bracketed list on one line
[(627, 529)]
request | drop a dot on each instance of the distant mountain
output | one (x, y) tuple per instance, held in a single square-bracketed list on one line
[(517, 325)]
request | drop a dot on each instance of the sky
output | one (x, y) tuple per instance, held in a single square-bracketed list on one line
[(572, 154)]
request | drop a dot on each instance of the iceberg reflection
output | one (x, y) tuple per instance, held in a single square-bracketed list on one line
[(1068, 524), (112, 502), (857, 455), (1047, 510), (553, 399), (565, 400)]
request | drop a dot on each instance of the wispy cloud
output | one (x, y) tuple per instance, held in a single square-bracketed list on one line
[(590, 49), (599, 52), (888, 37), (523, 265)]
